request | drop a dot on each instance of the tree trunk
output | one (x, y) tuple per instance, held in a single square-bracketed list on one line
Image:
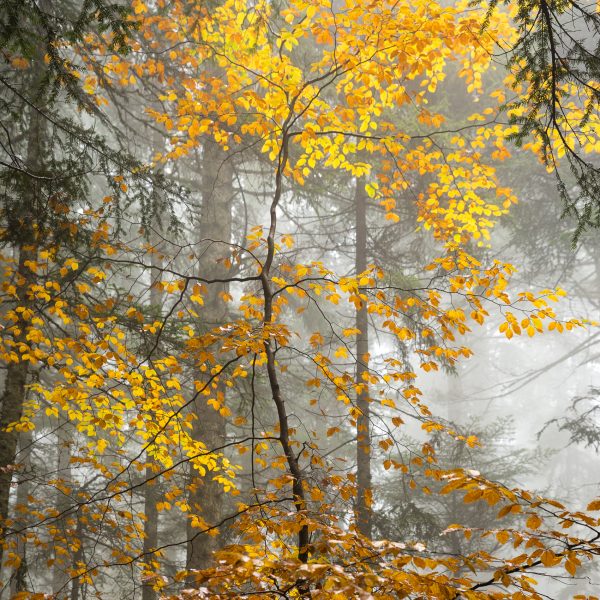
[(363, 434), (13, 397), (151, 495), (18, 578), (209, 426), (62, 503), (78, 557), (456, 393)]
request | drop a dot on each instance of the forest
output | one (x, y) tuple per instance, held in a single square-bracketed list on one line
[(299, 299)]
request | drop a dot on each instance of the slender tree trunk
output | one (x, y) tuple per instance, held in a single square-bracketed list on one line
[(78, 557), (209, 426), (455, 391), (595, 292), (18, 581), (363, 433), (13, 397), (294, 468), (62, 503), (151, 487), (150, 531)]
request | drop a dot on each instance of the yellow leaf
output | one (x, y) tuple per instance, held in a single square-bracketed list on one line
[(341, 352), (571, 567), (594, 505), (502, 537), (139, 7), (533, 522), (549, 559)]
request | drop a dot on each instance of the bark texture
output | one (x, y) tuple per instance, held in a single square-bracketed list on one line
[(62, 503), (363, 428), (209, 426), (18, 579), (151, 493), (13, 398), (17, 371)]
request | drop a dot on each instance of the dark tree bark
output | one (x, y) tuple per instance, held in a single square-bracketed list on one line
[(14, 394), (24, 211)]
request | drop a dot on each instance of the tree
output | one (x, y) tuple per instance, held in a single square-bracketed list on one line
[(363, 425), (209, 425), (50, 162), (555, 72)]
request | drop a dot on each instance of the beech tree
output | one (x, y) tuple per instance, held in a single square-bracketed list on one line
[(150, 341)]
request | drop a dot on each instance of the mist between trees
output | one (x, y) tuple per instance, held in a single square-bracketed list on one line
[(299, 299)]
